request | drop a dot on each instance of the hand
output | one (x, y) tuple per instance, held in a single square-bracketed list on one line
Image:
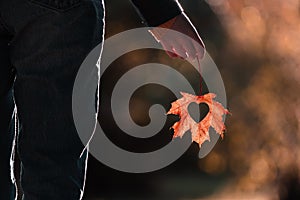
[(175, 45)]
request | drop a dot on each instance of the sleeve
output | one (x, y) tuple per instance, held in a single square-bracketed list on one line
[(156, 12)]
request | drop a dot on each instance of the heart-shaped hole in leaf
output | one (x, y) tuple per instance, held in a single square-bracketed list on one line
[(187, 110), (198, 111)]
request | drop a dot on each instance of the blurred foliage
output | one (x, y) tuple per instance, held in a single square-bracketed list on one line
[(261, 71)]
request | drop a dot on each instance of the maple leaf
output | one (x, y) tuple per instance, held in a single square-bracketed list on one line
[(200, 131)]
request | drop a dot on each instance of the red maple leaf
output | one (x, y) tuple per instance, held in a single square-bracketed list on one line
[(200, 131)]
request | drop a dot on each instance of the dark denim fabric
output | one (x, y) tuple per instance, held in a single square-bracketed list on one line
[(42, 45)]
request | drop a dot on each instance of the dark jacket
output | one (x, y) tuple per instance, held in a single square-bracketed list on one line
[(156, 12)]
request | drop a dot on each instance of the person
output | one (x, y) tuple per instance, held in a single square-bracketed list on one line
[(42, 44)]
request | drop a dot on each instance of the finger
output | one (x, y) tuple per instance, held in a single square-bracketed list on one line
[(169, 49), (172, 55), (179, 50), (200, 48), (189, 48), (197, 41)]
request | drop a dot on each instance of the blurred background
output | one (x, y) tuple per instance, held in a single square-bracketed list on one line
[(256, 46)]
